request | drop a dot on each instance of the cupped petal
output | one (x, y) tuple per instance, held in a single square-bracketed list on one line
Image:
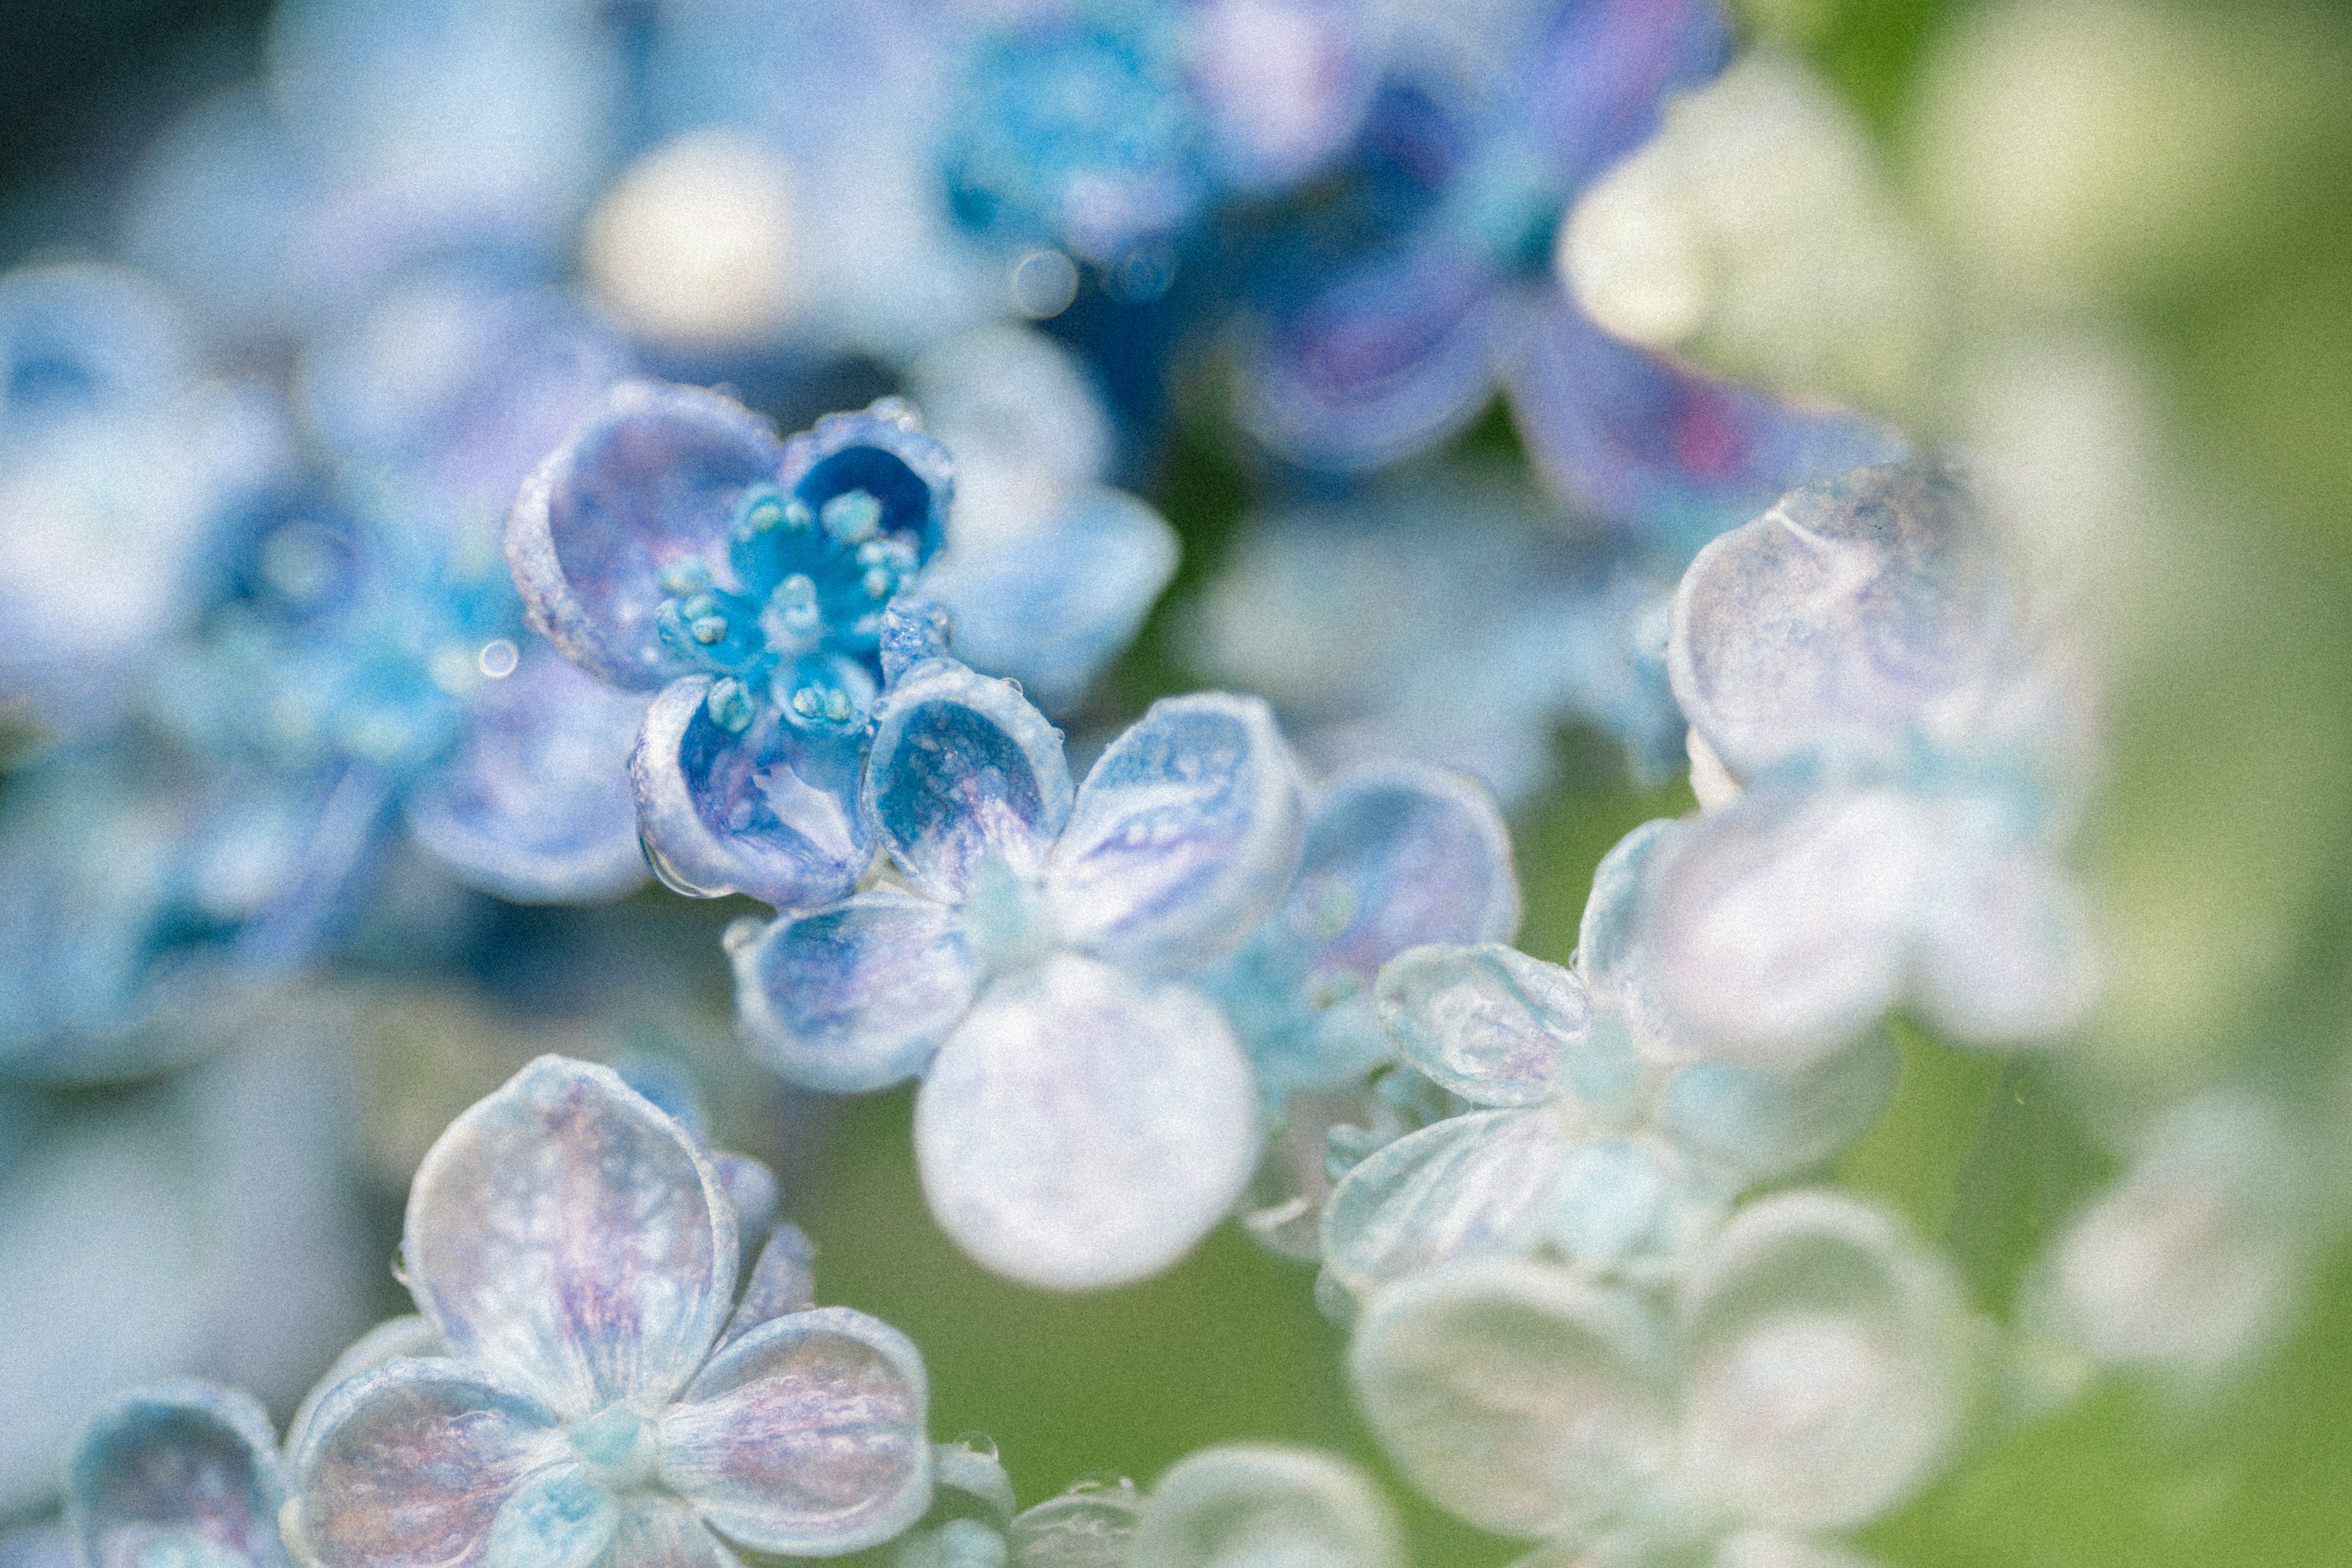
[(2007, 955), (569, 1234), (408, 1466), (1182, 836), (1758, 1124), (389, 1341), (782, 1281), (772, 813), (1090, 1525), (1605, 936), (1249, 1505), (184, 1458), (806, 1435), (1084, 1128), (1396, 857), (964, 772), (1858, 614), (1671, 456), (560, 1518), (1470, 1187), (857, 996), (651, 478), (1516, 1396), (1826, 1363), (1389, 358), (883, 452), (1488, 1022), (536, 806)]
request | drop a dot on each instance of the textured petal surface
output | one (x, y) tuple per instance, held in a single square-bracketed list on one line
[(772, 813), (1253, 1505), (658, 1533), (1515, 1396), (964, 770), (181, 1457), (1470, 1187), (857, 996), (1185, 832), (1488, 1023), (1826, 1363), (1089, 1526), (1859, 611), (650, 479), (783, 1280), (805, 1437), (1083, 1129), (407, 1467), (388, 1340), (569, 1234)]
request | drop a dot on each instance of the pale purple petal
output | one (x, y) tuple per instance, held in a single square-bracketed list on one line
[(1605, 936), (407, 1467), (1470, 1186), (805, 1437), (1488, 1023), (1594, 88), (651, 478), (857, 996), (1184, 834), (389, 1341), (1084, 1128), (782, 1281), (179, 1458), (568, 1234), (1396, 857)]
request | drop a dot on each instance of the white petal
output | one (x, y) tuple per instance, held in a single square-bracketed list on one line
[(1250, 1505)]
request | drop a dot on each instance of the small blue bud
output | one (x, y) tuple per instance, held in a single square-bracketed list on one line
[(853, 517), (730, 705)]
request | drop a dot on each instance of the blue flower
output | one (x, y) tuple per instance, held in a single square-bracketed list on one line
[(1085, 1115), (1895, 755), (674, 545), (603, 1396), (1614, 1139), (183, 1473)]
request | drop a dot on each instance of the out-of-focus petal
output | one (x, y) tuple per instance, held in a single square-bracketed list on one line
[(1487, 1023), (569, 1234), (1245, 1505), (1515, 1396), (1281, 84), (1397, 857), (1826, 1363), (1184, 833), (805, 1437), (650, 479), (1082, 1128), (185, 1459), (1602, 71), (407, 1467), (2007, 956), (657, 1532), (1761, 1125), (857, 996), (964, 770), (1605, 936), (1470, 1187), (772, 813)]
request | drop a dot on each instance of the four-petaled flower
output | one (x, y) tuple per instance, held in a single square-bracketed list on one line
[(180, 1475)]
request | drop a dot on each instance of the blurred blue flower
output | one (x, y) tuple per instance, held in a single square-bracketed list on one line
[(183, 1472), (601, 1396), (1085, 1115), (1615, 1138)]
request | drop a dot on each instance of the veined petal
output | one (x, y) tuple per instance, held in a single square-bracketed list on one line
[(857, 996), (806, 1435), (771, 812), (1084, 1128), (569, 1234), (658, 1531), (1247, 1505), (389, 1341), (1516, 1396), (1488, 1023), (651, 478), (407, 1467), (1826, 1363), (782, 1281), (1469, 1186), (1396, 857), (178, 1457), (560, 1518), (964, 770), (1183, 835)]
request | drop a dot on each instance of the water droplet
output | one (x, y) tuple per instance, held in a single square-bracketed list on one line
[(978, 1443), (1095, 1481), (498, 658), (675, 880), (1043, 284)]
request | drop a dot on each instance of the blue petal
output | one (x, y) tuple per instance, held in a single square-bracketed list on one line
[(1487, 1023), (771, 812), (652, 478), (857, 996), (1083, 1129), (1182, 836), (569, 1234), (805, 1437), (1761, 1124), (1051, 608), (1598, 78), (1606, 935), (913, 629), (1391, 358), (179, 1458), (536, 806), (884, 453), (1662, 451), (1859, 613), (1470, 1186), (964, 773)]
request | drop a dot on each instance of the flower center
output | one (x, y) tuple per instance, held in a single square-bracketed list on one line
[(615, 1446), (1006, 915)]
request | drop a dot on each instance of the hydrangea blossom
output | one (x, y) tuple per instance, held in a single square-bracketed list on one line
[(603, 1396), (1894, 753), (1812, 1372), (1084, 1114), (181, 1473), (1611, 1137)]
